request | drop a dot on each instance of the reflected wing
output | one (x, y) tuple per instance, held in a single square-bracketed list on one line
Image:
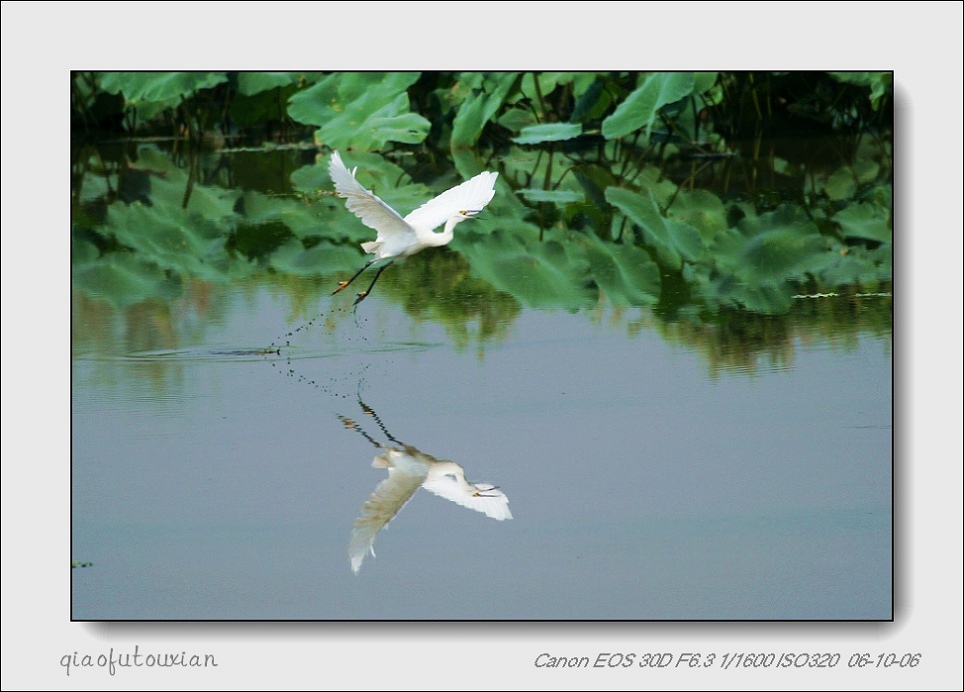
[(482, 497), (389, 497), (363, 203), (472, 195)]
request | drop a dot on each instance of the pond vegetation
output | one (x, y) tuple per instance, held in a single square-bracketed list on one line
[(732, 209)]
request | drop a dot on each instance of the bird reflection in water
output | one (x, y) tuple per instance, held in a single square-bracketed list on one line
[(409, 469)]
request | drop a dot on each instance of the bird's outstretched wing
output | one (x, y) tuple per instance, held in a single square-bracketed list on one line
[(485, 498), (404, 478), (472, 195), (363, 203)]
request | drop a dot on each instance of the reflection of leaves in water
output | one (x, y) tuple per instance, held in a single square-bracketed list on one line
[(442, 289), (745, 342)]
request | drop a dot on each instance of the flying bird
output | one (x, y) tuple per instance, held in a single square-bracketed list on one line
[(400, 237)]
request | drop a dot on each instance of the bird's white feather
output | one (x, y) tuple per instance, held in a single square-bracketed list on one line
[(408, 469), (482, 497), (472, 195), (363, 203), (400, 237), (404, 478)]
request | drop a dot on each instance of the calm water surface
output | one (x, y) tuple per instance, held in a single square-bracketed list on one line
[(221, 457)]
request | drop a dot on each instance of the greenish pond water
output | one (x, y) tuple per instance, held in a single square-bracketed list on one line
[(652, 472)]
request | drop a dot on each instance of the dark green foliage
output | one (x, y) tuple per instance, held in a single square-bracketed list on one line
[(636, 189)]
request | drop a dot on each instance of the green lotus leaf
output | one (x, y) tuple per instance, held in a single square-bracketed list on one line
[(651, 178), (759, 263), (152, 159), (704, 81), (96, 186), (263, 96), (314, 177), (251, 83), (841, 185), (549, 132), (535, 86), (674, 241), (123, 279), (479, 108), (468, 164), (700, 209), (165, 89), (852, 266), (865, 220), (538, 274), (880, 83), (556, 196), (171, 187), (214, 204), (323, 259), (781, 254), (392, 123), (257, 207), (360, 110), (173, 239), (83, 252), (775, 247), (592, 102), (315, 220), (593, 181), (767, 299), (626, 274), (866, 170), (729, 290), (515, 119), (639, 109)]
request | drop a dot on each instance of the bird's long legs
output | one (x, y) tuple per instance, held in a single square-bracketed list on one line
[(369, 411), (344, 284), (364, 294)]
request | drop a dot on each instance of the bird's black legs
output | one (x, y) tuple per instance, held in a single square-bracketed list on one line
[(364, 294), (369, 411), (343, 284)]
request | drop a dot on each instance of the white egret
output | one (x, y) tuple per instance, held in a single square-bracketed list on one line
[(408, 470), (399, 237)]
